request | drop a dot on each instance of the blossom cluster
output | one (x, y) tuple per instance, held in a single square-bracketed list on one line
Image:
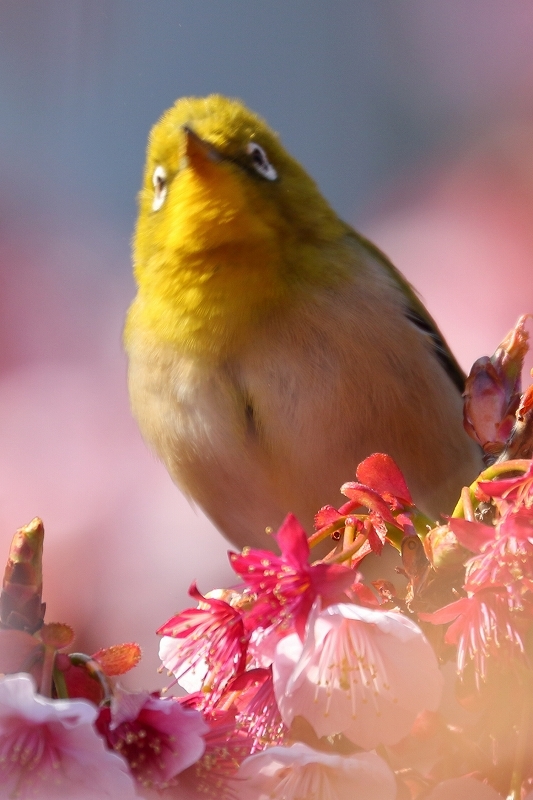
[(305, 680)]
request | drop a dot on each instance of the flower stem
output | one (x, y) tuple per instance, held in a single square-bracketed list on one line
[(322, 534), (48, 667), (349, 552), (494, 471), (60, 684), (468, 507), (349, 535), (422, 524)]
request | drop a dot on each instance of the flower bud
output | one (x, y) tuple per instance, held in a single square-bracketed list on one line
[(20, 601), (492, 391), (443, 549)]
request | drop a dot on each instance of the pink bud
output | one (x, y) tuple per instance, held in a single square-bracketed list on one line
[(492, 391)]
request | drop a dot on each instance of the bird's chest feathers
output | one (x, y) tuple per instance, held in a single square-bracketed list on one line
[(289, 373), (196, 411)]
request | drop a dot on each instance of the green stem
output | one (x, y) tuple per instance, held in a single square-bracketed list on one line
[(350, 551), (349, 537), (394, 536), (422, 524), (322, 534), (468, 508), (46, 675), (494, 471), (60, 684)]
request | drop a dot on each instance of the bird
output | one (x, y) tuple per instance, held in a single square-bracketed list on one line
[(271, 347)]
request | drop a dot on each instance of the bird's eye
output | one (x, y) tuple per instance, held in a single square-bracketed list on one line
[(159, 179), (260, 161)]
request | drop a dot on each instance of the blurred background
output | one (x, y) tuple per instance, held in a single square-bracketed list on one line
[(415, 118)]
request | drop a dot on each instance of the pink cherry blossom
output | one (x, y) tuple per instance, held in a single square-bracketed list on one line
[(381, 473), (484, 628), (262, 645), (361, 495), (288, 585), (381, 488), (362, 672), (516, 490), (475, 536), (159, 738), (207, 644), (227, 744), (297, 772), (372, 528), (49, 749), (507, 559), (258, 712)]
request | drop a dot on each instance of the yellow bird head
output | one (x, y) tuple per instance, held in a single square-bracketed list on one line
[(229, 224)]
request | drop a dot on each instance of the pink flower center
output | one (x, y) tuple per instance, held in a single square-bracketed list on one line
[(29, 750), (144, 748), (349, 662)]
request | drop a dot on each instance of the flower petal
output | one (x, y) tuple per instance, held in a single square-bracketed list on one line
[(292, 541), (63, 756), (368, 498), (381, 473), (292, 773), (361, 672)]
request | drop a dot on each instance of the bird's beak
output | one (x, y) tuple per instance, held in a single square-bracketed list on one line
[(197, 151)]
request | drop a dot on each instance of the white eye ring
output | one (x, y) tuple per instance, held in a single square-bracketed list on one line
[(159, 180), (260, 161)]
